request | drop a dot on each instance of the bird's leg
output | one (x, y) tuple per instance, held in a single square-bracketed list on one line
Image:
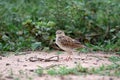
[(70, 56)]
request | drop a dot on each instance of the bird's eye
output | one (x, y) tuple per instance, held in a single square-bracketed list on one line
[(59, 32)]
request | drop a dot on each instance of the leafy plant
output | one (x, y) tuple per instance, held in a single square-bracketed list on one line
[(35, 45), (93, 21)]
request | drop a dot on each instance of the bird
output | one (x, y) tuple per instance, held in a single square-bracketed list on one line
[(67, 43)]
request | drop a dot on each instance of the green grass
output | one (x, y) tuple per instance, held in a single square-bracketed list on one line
[(109, 47), (39, 71), (62, 70), (114, 59), (110, 70)]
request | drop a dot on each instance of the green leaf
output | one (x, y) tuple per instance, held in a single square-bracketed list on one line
[(35, 45), (5, 38), (118, 34), (51, 24), (1, 46)]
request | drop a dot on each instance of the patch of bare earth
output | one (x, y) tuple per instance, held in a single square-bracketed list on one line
[(19, 67)]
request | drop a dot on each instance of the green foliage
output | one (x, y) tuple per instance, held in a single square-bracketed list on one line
[(35, 45), (62, 70), (108, 46), (39, 71), (111, 70), (52, 72), (81, 69), (23, 25), (114, 59)]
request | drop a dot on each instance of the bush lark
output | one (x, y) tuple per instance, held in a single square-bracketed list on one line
[(67, 43)]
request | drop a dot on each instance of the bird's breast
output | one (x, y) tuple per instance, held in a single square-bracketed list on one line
[(60, 44)]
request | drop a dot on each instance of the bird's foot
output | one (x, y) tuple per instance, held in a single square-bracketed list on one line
[(68, 58)]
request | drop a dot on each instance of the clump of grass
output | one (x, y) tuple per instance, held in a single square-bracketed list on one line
[(81, 69), (21, 72), (39, 71), (52, 71), (111, 70), (97, 70), (62, 70), (114, 58)]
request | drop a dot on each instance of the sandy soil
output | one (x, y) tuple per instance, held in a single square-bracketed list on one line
[(18, 67)]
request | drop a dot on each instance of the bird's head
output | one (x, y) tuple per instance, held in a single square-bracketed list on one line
[(60, 33)]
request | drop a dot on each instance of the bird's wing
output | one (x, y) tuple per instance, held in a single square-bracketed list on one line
[(69, 42)]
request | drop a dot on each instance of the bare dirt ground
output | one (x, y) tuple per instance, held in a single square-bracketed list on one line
[(19, 67)]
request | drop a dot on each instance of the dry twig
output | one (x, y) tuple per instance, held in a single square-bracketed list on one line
[(34, 59)]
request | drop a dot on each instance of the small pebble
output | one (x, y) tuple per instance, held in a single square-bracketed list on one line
[(95, 63), (82, 59), (7, 64), (31, 70), (25, 65), (75, 62), (0, 58), (97, 60), (110, 78)]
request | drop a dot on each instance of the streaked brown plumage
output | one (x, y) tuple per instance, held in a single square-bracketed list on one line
[(67, 43)]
